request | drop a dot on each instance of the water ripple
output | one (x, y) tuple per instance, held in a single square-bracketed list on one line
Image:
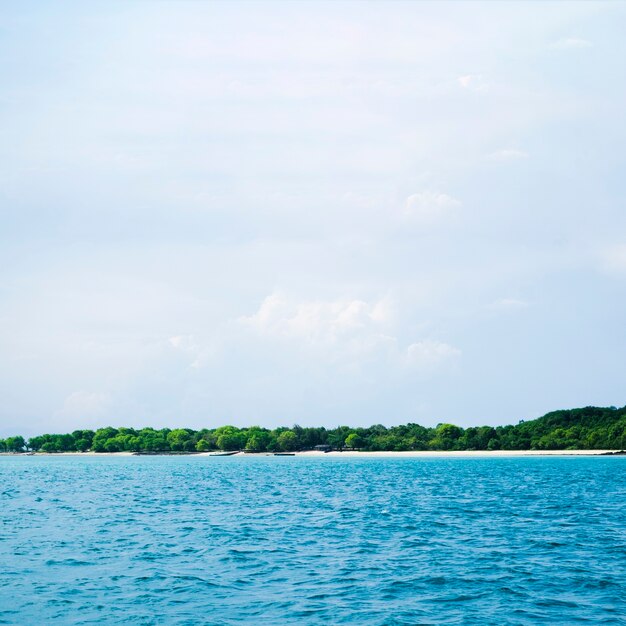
[(224, 541)]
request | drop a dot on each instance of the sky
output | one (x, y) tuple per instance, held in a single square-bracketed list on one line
[(315, 213)]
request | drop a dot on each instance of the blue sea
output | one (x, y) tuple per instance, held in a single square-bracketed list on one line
[(291, 540)]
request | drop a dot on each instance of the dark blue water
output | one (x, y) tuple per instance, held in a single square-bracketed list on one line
[(198, 540)]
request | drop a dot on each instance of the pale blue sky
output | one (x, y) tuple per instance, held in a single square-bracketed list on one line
[(319, 213)]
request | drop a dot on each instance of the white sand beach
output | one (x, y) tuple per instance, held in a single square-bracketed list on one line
[(430, 453), (464, 453), (348, 454)]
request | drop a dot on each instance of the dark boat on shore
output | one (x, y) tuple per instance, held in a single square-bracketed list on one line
[(284, 454)]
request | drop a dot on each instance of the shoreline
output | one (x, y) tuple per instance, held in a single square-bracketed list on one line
[(461, 453), (346, 454)]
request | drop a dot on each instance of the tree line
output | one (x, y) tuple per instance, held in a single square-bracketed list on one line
[(586, 428)]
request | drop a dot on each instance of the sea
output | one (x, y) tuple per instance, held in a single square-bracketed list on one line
[(295, 540)]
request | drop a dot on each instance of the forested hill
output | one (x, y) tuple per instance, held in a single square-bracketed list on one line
[(587, 428)]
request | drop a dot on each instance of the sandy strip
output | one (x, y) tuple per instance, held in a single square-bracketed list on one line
[(351, 454), (428, 454), (464, 453), (67, 454)]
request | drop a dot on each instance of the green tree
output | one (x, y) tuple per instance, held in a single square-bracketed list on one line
[(87, 435), (493, 444), (82, 445), (178, 438), (230, 438), (337, 436), (253, 444), (203, 445), (15, 444), (354, 441), (446, 437), (288, 441), (113, 445), (101, 437), (587, 427), (35, 443)]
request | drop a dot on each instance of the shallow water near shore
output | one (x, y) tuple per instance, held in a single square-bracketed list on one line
[(193, 540)]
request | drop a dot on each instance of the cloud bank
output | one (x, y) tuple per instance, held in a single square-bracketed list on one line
[(316, 213)]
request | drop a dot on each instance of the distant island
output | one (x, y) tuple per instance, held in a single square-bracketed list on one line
[(589, 428)]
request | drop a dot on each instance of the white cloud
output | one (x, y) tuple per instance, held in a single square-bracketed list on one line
[(508, 154), (177, 341), (429, 207), (348, 331), (509, 304), (188, 344), (183, 342), (429, 353), (316, 321), (383, 311), (473, 82), (569, 43)]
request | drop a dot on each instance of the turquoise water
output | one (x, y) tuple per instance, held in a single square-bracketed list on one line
[(270, 540)]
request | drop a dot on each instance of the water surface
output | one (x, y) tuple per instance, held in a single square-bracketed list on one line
[(271, 540)]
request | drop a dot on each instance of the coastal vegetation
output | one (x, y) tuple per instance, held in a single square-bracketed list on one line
[(586, 428)]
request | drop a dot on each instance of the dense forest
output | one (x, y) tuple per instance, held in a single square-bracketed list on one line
[(587, 428)]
